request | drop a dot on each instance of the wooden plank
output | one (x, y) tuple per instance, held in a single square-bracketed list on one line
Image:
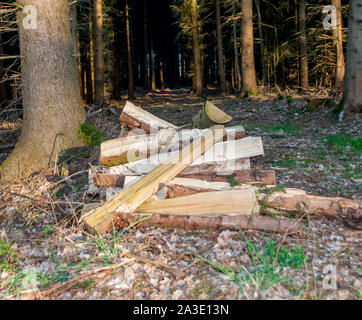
[(231, 202), (135, 147), (136, 118), (127, 201)]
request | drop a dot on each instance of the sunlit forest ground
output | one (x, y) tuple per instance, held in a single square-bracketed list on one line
[(305, 143)]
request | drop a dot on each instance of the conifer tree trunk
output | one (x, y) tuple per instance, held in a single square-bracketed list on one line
[(303, 49), (129, 54), (352, 95), (52, 103), (153, 71), (338, 47), (86, 57), (98, 52), (237, 79), (248, 78), (262, 58), (220, 54), (199, 88), (145, 43)]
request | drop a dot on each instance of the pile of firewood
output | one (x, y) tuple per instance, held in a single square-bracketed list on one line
[(159, 174)]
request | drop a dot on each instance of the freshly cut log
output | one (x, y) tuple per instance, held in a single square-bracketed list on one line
[(210, 115), (256, 177), (136, 118), (127, 201), (135, 147), (228, 151), (217, 223), (179, 187), (231, 202), (297, 202)]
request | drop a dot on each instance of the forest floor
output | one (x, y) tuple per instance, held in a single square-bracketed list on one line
[(42, 246)]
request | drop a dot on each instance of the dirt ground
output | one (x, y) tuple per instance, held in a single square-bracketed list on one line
[(46, 254)]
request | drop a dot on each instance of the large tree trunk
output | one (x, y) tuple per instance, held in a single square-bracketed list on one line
[(338, 46), (303, 49), (98, 52), (199, 88), (352, 95), (220, 49), (51, 96), (129, 54), (248, 77)]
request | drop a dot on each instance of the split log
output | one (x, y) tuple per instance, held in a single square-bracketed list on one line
[(223, 152), (127, 201), (256, 177), (136, 118), (135, 147), (215, 203), (179, 187)]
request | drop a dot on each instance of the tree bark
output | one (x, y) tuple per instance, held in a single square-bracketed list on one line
[(74, 32), (145, 49), (199, 88), (248, 78), (236, 67), (220, 54), (153, 71), (352, 95), (51, 95), (117, 52), (129, 55), (338, 47), (98, 52), (262, 58), (303, 48)]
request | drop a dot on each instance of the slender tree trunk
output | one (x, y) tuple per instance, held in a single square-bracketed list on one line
[(237, 79), (162, 72), (116, 74), (248, 78), (352, 95), (98, 52), (262, 58), (3, 87), (129, 55), (153, 71), (145, 43), (86, 56), (220, 54), (199, 88), (74, 34), (303, 48), (50, 89), (338, 47)]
